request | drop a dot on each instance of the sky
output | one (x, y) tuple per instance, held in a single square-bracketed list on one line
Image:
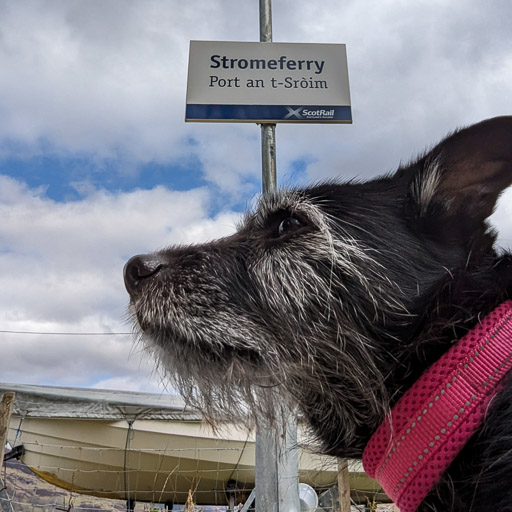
[(97, 163)]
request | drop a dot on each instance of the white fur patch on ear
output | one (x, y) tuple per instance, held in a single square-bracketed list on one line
[(426, 184)]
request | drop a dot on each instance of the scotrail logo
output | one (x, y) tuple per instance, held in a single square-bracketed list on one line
[(308, 113), (295, 112)]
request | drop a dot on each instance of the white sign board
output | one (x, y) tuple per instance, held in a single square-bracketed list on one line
[(268, 82)]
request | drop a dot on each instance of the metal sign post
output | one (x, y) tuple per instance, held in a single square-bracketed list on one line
[(277, 473), (268, 131)]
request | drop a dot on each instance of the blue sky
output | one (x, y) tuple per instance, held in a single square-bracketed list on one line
[(97, 163), (61, 174)]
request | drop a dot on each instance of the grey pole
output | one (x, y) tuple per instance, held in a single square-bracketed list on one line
[(266, 490), (268, 131), (288, 465), (277, 480)]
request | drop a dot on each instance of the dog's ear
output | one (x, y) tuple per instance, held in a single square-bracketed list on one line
[(454, 187)]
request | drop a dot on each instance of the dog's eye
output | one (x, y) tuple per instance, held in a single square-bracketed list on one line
[(288, 225)]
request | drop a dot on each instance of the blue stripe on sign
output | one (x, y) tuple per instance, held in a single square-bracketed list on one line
[(291, 113)]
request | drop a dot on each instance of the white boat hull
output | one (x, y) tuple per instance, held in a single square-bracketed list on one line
[(154, 460), (143, 447)]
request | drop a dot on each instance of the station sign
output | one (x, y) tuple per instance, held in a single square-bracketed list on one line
[(268, 83)]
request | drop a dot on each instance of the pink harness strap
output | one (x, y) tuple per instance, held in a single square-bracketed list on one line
[(434, 419)]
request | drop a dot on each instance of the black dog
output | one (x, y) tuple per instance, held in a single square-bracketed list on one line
[(340, 296)]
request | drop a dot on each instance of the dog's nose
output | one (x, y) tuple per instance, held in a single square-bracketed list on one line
[(139, 269)]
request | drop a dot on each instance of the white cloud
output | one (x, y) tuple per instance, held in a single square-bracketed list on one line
[(62, 270), (132, 383), (101, 77), (502, 220), (417, 71)]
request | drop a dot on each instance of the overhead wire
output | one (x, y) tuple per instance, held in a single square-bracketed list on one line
[(43, 333)]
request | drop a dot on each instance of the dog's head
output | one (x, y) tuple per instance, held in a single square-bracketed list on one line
[(336, 294)]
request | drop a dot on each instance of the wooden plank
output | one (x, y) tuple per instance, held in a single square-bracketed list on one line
[(343, 485), (6, 406)]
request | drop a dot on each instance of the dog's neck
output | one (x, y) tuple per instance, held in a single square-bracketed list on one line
[(434, 419)]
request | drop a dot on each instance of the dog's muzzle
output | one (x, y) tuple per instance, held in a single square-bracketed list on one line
[(140, 270)]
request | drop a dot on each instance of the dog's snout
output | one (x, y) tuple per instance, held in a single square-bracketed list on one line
[(139, 269)]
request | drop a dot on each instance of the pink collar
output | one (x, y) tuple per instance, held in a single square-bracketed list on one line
[(433, 420)]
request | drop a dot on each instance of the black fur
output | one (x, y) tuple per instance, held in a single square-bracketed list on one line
[(417, 271)]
